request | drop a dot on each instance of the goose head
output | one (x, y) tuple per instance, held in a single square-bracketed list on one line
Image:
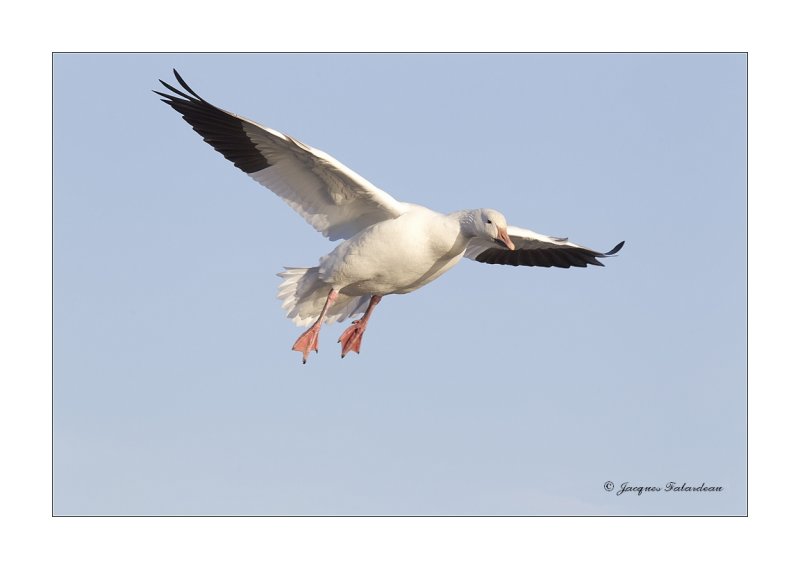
[(491, 225)]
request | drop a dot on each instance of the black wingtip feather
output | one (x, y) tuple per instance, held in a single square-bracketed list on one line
[(221, 129), (181, 94), (184, 85), (169, 99), (615, 250), (564, 257)]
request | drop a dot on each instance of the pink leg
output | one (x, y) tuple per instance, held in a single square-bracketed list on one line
[(308, 339), (351, 339)]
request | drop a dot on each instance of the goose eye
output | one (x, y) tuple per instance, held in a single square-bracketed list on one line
[(489, 221)]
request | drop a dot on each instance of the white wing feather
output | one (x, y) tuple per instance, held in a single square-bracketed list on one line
[(334, 199)]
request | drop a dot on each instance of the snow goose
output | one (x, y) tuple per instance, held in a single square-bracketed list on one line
[(388, 247)]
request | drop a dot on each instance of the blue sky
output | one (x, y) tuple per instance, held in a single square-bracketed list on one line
[(494, 390)]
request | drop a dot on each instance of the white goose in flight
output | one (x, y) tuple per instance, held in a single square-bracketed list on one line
[(388, 247)]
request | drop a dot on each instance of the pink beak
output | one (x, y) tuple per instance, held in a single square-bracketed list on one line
[(502, 235)]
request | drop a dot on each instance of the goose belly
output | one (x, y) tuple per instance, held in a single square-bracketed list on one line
[(393, 257)]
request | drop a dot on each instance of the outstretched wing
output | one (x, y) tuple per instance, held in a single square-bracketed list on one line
[(335, 200), (535, 250)]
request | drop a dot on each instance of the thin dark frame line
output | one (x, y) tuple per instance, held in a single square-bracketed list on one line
[(400, 52)]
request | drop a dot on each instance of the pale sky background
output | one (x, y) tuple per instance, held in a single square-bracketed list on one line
[(495, 390)]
